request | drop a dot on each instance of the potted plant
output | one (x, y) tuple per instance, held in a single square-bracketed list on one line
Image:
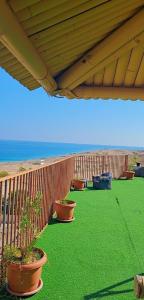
[(129, 174), (139, 286), (78, 184), (24, 263), (65, 210)]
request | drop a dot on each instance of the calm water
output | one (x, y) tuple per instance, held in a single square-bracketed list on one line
[(23, 150)]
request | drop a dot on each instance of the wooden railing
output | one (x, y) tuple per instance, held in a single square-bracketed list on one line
[(88, 165), (53, 181)]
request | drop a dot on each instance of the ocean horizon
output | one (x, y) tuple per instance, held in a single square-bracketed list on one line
[(12, 150)]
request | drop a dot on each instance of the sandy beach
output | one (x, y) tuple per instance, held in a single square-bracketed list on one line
[(16, 167)]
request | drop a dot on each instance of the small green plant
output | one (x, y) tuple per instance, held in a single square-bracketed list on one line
[(22, 169), (3, 174), (132, 163), (26, 254), (64, 201)]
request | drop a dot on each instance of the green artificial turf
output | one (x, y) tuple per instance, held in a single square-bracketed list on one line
[(97, 255)]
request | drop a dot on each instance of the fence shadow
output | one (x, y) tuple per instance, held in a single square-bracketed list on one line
[(106, 292)]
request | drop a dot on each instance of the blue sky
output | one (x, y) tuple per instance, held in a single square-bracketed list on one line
[(33, 115)]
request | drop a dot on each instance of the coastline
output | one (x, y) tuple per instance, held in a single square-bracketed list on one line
[(14, 167)]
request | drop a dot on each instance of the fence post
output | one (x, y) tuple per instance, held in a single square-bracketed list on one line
[(126, 162), (103, 164)]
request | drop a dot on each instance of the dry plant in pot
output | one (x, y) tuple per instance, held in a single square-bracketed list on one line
[(129, 174), (24, 263), (139, 286), (65, 210), (78, 184)]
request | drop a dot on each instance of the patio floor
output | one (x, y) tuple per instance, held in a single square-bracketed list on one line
[(97, 255)]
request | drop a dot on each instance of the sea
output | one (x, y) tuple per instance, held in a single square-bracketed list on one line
[(11, 151)]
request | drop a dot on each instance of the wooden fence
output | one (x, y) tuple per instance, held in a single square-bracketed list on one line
[(88, 165), (53, 181)]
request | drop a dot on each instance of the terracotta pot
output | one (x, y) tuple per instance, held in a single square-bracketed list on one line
[(78, 184), (65, 212), (129, 174), (25, 279)]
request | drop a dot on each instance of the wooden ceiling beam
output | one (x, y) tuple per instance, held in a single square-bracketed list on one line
[(86, 92), (126, 37), (15, 40)]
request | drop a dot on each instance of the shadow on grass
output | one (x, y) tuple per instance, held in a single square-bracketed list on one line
[(4, 295), (108, 290), (90, 188), (53, 221), (83, 190)]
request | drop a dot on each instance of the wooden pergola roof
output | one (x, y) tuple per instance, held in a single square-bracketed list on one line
[(79, 49)]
